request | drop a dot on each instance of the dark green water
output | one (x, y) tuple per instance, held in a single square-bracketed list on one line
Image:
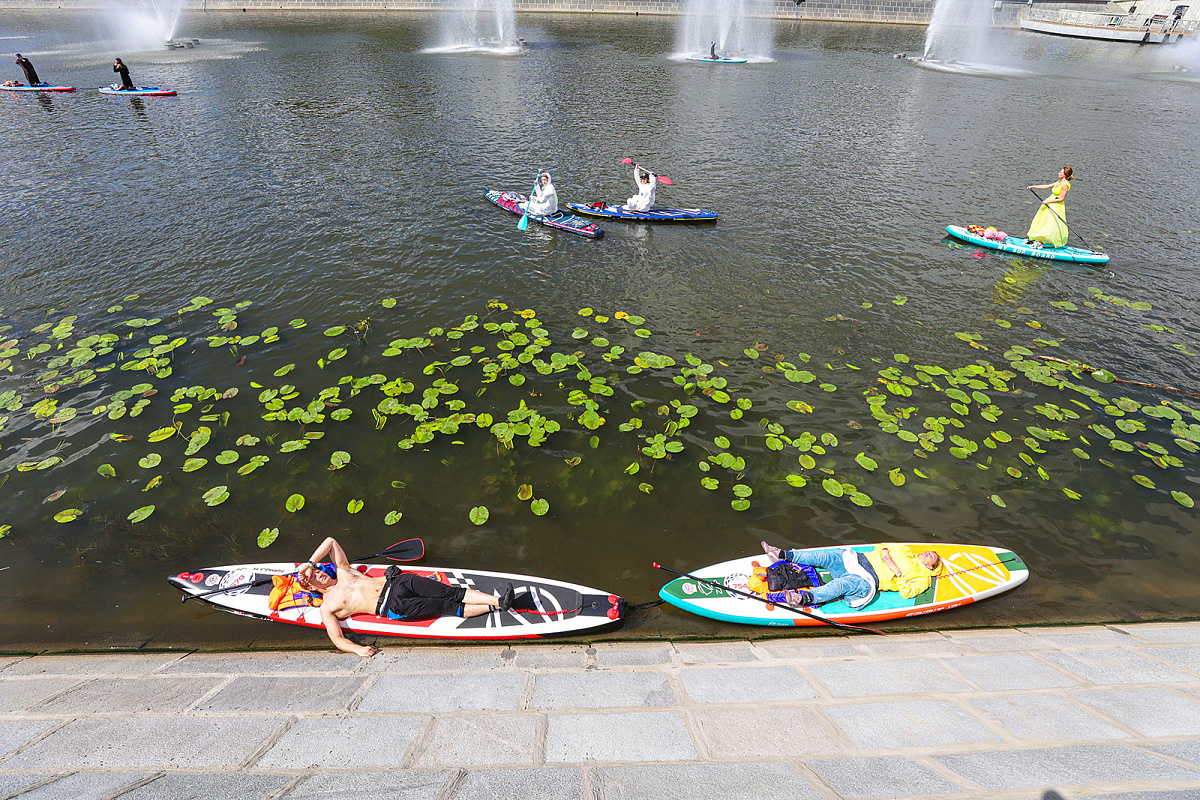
[(314, 167)]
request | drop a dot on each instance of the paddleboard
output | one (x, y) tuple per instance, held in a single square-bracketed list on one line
[(542, 607), (142, 91), (41, 87), (655, 214), (562, 220), (1011, 244), (717, 60), (972, 573)]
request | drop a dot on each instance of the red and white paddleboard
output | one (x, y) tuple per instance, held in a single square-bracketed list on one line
[(141, 91), (542, 607), (41, 87)]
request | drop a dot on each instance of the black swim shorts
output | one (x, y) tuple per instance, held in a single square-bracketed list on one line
[(408, 596)]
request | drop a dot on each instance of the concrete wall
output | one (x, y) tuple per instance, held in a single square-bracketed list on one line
[(913, 12)]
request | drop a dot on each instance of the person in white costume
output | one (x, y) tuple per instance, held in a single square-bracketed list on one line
[(645, 182), (544, 200)]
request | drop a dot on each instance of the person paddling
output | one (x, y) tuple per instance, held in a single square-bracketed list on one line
[(396, 595), (120, 68), (712, 51), (645, 181), (1049, 224), (31, 76), (544, 200)]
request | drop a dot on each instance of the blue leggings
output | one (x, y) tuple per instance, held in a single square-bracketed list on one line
[(843, 583)]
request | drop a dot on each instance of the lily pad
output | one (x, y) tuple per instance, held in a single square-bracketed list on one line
[(140, 514), (216, 495), (67, 515), (193, 464), (354, 506), (227, 457), (294, 503), (1184, 499), (106, 470), (866, 462), (524, 492), (539, 507), (479, 515), (392, 517), (150, 460), (267, 535), (833, 487)]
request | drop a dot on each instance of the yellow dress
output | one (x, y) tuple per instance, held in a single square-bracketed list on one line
[(1046, 227)]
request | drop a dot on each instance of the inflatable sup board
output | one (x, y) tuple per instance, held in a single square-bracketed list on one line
[(971, 573), (542, 607), (717, 60), (655, 214), (141, 91), (562, 220), (1011, 244), (41, 87)]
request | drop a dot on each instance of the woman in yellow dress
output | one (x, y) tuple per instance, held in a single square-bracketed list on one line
[(1049, 225)]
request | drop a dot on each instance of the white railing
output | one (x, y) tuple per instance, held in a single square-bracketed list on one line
[(1093, 19)]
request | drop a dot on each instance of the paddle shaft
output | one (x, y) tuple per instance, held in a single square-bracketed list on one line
[(419, 548), (1060, 219), (663, 179), (800, 611), (524, 223)]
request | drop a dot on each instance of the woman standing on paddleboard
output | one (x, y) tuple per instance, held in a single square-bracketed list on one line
[(1049, 225), (544, 200), (645, 181)]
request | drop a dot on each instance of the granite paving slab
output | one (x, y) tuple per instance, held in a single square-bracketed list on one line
[(632, 655), (1004, 671), (745, 684), (10, 784), (1046, 717), (992, 641), (648, 736), (399, 785), (704, 782), (1168, 633), (1183, 794), (432, 693), (423, 658), (821, 648), (183, 786), (601, 689), (83, 786), (1113, 667), (1080, 636), (280, 695), (554, 783), (145, 743), (112, 664), (342, 743), (263, 663), (890, 776), (927, 645), (549, 657), (1184, 751), (17, 694), (715, 653), (511, 739), (16, 732), (911, 676), (1063, 766), (734, 733), (1152, 712), (129, 696), (908, 723), (1184, 657)]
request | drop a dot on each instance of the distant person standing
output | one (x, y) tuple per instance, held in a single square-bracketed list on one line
[(126, 83), (712, 51), (31, 75)]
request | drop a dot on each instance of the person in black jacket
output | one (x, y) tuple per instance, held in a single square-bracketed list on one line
[(30, 73), (126, 83)]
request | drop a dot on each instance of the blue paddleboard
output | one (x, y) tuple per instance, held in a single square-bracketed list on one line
[(717, 60), (1011, 244), (141, 91), (562, 220)]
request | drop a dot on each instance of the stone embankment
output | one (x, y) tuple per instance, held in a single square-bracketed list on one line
[(1097, 711)]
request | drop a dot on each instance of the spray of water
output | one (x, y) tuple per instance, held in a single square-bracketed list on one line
[(479, 25), (739, 27), (959, 30), (145, 27)]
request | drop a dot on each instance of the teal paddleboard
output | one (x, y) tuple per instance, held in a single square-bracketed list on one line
[(1011, 244)]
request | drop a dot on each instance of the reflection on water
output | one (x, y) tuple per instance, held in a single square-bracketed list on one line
[(277, 179)]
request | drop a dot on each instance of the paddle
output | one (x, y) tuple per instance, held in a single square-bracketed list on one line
[(524, 223), (407, 550), (663, 179), (761, 599), (1060, 219)]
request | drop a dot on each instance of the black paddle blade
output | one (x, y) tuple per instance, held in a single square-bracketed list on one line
[(408, 550)]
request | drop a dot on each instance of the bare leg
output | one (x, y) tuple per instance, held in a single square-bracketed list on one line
[(473, 610), (477, 598)]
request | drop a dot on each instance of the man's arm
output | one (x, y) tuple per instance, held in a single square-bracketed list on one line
[(911, 577), (339, 639), (330, 545)]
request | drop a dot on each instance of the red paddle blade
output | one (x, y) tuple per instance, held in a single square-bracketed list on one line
[(626, 160), (665, 180), (407, 550)]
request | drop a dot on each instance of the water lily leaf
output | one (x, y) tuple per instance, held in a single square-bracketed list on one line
[(1013, 471), (798, 481), (998, 501), (193, 464), (284, 370), (227, 457), (710, 483), (861, 499), (388, 302), (339, 459), (829, 440), (525, 492), (354, 506), (107, 471), (67, 515), (897, 476), (150, 461), (1144, 481), (742, 490), (479, 515), (216, 495), (540, 507), (1184, 499), (721, 442), (833, 487), (807, 461), (336, 330), (740, 504), (267, 535), (866, 462), (633, 468), (392, 517), (334, 355), (643, 333), (1072, 494), (4, 530), (294, 503)]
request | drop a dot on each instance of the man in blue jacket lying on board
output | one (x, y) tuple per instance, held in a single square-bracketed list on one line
[(396, 595), (857, 577)]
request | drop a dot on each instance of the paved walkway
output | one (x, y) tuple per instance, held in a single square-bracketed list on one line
[(1098, 711)]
